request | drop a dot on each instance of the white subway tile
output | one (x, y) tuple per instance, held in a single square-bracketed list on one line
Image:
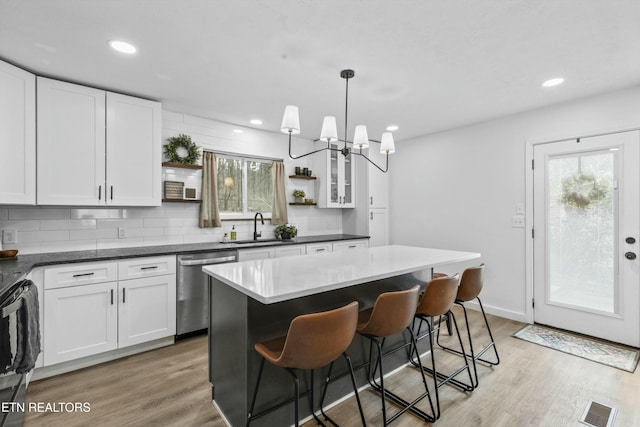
[(38, 213), (163, 240), (68, 224), (42, 236), (105, 233), (115, 223), (71, 245), (156, 231), (119, 243), (25, 248), (26, 225), (143, 213), (201, 238), (163, 222), (95, 213), (4, 214)]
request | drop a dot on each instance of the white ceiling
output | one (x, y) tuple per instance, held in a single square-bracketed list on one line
[(425, 65)]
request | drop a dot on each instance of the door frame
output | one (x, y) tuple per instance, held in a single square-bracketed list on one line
[(529, 255)]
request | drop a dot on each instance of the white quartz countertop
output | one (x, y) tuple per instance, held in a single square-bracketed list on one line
[(280, 279)]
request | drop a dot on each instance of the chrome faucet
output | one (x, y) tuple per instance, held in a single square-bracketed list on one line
[(255, 226)]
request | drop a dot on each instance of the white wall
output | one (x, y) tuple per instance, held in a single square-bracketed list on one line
[(459, 189), (51, 229)]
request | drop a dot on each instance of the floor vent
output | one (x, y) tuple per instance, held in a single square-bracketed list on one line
[(598, 415)]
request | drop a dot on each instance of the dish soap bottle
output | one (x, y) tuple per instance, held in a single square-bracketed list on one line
[(233, 232)]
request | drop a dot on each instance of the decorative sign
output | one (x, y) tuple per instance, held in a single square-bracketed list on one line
[(173, 190), (190, 193)]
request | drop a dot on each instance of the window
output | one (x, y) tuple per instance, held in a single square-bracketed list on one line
[(244, 186)]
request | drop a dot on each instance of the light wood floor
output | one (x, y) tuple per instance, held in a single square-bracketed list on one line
[(532, 386)]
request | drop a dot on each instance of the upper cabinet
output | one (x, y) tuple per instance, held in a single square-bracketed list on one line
[(378, 182), (336, 186), (96, 148), (17, 136)]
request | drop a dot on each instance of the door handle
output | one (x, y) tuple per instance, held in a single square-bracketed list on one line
[(630, 240), (99, 192), (630, 255)]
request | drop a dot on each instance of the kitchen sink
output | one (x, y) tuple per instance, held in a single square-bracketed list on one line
[(248, 241)]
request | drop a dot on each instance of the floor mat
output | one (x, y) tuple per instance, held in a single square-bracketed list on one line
[(607, 354)]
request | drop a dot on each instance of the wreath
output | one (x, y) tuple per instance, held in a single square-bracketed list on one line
[(582, 190), (177, 146)]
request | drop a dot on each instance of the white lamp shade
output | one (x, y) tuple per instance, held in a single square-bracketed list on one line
[(290, 120), (329, 129), (360, 137), (387, 145)]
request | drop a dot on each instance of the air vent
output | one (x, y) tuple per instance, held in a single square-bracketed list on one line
[(598, 415)]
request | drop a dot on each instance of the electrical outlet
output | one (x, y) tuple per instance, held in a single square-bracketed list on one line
[(517, 221), (9, 236), (122, 233)]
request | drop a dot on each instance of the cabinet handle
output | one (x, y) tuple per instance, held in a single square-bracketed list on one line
[(352, 246), (371, 216), (112, 192), (83, 274), (372, 200), (124, 290), (99, 192), (111, 296), (320, 250), (149, 268)]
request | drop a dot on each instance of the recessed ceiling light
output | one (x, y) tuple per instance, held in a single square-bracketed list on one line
[(553, 82), (255, 121), (237, 131), (392, 128), (122, 47)]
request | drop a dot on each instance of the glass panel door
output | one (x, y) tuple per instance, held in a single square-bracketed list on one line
[(348, 176), (333, 178), (581, 231)]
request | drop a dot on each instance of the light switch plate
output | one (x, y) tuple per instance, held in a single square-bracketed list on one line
[(517, 221)]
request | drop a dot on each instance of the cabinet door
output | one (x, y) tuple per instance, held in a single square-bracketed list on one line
[(17, 136), (134, 151), (79, 321), (336, 187), (259, 253), (378, 182), (290, 250), (147, 309), (378, 227), (71, 144)]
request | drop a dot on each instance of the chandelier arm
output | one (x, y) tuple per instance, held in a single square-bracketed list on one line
[(386, 166), (294, 157), (346, 109)]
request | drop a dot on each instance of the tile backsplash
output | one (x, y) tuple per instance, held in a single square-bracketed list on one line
[(43, 229)]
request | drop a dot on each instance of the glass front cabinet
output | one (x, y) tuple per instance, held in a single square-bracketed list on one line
[(336, 186)]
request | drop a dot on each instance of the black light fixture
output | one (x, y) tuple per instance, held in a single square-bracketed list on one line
[(329, 133)]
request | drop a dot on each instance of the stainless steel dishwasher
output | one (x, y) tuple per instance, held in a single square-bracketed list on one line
[(192, 310)]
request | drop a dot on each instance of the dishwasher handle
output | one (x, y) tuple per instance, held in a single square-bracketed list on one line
[(218, 260)]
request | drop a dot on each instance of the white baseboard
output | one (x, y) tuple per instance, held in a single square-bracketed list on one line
[(72, 365), (496, 311)]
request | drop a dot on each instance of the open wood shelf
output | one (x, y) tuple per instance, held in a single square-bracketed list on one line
[(180, 165), (303, 204), (302, 177), (181, 201)]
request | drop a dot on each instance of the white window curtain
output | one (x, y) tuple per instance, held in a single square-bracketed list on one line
[(279, 205), (209, 210)]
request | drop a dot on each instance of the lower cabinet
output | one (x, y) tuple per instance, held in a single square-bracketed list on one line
[(87, 319), (80, 321), (290, 250), (256, 253)]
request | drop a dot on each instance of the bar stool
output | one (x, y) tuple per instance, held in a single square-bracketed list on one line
[(312, 341), (392, 313), (471, 284), (436, 301)]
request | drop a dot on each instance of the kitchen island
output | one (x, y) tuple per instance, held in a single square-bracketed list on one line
[(252, 301)]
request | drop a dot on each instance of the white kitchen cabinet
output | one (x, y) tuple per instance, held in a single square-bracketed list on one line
[(319, 248), (134, 151), (256, 253), (80, 321), (290, 250), (17, 136), (146, 309), (336, 183), (378, 227), (347, 245), (377, 181), (96, 148), (91, 308)]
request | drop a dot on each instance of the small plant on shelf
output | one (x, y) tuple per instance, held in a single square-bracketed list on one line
[(299, 195), (286, 231)]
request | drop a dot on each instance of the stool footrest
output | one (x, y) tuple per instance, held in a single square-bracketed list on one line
[(406, 406)]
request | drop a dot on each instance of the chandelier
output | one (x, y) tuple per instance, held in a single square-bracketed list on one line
[(329, 132)]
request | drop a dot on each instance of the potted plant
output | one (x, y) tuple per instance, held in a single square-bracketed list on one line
[(299, 195), (286, 231)]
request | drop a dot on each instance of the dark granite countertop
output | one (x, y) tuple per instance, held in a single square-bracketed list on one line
[(12, 270)]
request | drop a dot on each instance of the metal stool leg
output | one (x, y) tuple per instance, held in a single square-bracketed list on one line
[(255, 393), (296, 387)]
